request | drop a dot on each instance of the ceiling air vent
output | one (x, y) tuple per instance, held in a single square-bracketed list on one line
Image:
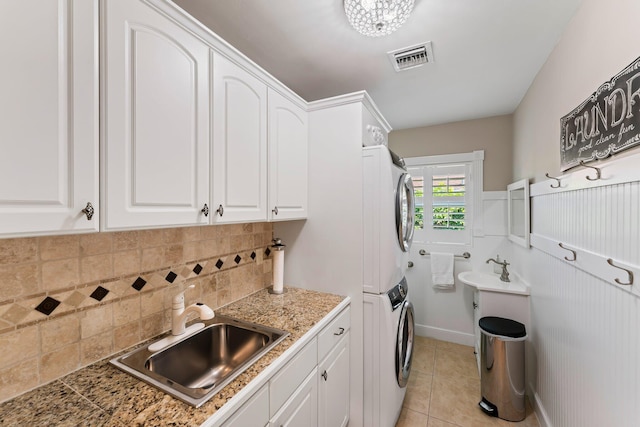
[(411, 57)]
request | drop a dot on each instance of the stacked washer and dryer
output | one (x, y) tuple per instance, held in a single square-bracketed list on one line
[(388, 213)]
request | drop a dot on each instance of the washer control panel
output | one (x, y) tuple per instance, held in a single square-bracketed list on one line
[(398, 293)]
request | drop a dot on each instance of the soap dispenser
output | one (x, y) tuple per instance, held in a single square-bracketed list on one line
[(497, 268)]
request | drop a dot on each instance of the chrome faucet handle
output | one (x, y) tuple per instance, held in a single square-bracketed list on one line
[(505, 274)]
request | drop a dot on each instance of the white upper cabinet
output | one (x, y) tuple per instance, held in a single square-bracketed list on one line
[(48, 116), (288, 140), (239, 144), (156, 120)]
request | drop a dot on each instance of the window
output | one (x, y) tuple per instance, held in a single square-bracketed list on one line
[(444, 198), (448, 201)]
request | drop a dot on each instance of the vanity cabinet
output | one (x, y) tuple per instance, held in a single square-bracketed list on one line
[(501, 304), (155, 104), (239, 165), (48, 117), (288, 141)]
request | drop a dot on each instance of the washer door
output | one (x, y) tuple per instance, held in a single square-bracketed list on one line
[(404, 344), (405, 212)]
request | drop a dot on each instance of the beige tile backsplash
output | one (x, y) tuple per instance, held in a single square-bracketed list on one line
[(36, 348)]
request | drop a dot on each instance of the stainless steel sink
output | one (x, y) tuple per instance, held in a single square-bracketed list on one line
[(196, 367)]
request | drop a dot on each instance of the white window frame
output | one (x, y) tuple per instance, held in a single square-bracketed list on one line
[(474, 188)]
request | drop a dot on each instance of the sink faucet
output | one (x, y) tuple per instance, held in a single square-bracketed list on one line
[(505, 274), (179, 313)]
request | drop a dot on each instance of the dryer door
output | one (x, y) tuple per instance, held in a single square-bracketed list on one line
[(404, 344), (405, 212)]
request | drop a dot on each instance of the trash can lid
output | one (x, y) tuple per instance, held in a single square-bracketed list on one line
[(502, 327)]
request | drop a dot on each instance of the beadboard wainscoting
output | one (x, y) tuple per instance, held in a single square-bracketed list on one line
[(583, 361), (68, 301)]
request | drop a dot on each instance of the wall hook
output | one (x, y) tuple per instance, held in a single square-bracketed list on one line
[(551, 177), (629, 272), (570, 250), (598, 172)]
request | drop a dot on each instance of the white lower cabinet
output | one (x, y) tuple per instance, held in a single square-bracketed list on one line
[(254, 413), (305, 393), (302, 407), (333, 389)]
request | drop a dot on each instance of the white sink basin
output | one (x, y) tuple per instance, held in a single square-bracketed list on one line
[(492, 283)]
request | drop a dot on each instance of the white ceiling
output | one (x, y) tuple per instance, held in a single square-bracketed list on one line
[(487, 52)]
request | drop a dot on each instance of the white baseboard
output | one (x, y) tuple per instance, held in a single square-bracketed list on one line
[(543, 418), (445, 335)]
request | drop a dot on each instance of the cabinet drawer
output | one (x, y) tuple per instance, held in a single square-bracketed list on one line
[(287, 380), (332, 333), (255, 412)]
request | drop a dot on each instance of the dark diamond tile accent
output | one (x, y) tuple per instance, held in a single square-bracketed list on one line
[(267, 252), (171, 277), (197, 269), (99, 293), (219, 264), (253, 255), (237, 259), (48, 305), (139, 284)]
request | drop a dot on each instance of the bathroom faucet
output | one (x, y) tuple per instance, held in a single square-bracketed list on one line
[(505, 274), (179, 313)]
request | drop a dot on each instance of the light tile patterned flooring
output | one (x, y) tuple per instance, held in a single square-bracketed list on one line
[(444, 389)]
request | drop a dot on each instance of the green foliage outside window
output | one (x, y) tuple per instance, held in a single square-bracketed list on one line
[(448, 217)]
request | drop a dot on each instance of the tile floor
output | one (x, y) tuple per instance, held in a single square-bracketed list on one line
[(444, 389)]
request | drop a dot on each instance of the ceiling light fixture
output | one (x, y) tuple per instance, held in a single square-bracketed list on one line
[(375, 18)]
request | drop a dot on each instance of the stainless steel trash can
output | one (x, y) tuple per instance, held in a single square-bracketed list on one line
[(502, 368)]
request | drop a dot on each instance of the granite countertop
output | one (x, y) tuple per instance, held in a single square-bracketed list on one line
[(102, 395)]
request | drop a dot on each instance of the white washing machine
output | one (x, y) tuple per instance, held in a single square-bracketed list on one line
[(388, 211), (388, 349)]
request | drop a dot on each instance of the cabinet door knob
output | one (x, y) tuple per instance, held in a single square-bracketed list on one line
[(275, 210), (324, 375), (220, 210), (88, 211), (340, 332), (475, 305), (205, 210)]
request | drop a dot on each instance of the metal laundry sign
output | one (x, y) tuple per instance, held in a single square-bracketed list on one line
[(605, 123)]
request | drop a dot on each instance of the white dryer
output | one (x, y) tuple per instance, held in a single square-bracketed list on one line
[(388, 349), (388, 211)]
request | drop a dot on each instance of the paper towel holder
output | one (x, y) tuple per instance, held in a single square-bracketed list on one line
[(277, 248)]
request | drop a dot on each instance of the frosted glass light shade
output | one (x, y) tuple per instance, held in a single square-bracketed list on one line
[(375, 18)]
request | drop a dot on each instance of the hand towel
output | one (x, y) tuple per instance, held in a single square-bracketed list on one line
[(442, 270)]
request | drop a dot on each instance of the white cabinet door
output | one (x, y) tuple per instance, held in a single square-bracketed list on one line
[(288, 140), (254, 413), (48, 116), (333, 400), (239, 144), (301, 410), (156, 119)]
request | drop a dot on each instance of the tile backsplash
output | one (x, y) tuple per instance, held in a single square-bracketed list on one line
[(68, 301)]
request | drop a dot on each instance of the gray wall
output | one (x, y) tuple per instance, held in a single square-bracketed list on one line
[(494, 135)]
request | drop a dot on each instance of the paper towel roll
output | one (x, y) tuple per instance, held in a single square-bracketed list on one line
[(278, 271)]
